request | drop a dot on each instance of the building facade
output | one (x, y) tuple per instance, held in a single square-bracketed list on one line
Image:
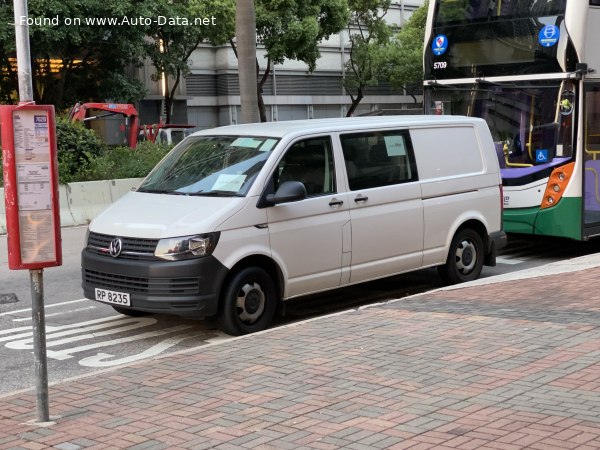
[(209, 96)]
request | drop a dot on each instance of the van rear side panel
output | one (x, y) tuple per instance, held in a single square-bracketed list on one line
[(459, 182), (444, 152)]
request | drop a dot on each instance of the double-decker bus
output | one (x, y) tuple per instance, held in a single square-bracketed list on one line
[(531, 69)]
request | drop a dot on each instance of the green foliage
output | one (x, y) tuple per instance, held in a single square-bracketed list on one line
[(171, 44), (124, 162), (74, 62), (369, 38), (76, 145), (294, 29), (405, 54)]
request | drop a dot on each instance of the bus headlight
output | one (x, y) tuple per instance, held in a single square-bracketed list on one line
[(557, 184), (175, 249)]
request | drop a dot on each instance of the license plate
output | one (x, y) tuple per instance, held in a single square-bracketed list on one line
[(116, 298)]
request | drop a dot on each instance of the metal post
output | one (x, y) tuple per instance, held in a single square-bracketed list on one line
[(23, 54), (36, 275), (39, 343)]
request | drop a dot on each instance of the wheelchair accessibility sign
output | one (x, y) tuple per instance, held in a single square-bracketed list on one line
[(541, 156)]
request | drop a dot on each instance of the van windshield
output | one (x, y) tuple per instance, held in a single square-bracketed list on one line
[(210, 165)]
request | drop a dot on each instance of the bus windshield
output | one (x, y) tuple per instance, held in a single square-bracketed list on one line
[(531, 122), (483, 38)]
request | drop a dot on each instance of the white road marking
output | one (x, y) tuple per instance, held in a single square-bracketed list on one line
[(56, 314), (510, 261), (67, 334), (10, 313), (98, 360)]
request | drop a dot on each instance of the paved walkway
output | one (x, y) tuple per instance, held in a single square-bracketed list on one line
[(508, 365)]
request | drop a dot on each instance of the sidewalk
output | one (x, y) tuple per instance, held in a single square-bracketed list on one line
[(491, 365)]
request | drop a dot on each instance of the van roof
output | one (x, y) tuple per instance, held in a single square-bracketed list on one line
[(280, 129)]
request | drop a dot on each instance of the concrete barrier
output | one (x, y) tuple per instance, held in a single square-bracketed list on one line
[(81, 202)]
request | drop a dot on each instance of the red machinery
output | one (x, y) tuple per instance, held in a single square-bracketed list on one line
[(115, 123)]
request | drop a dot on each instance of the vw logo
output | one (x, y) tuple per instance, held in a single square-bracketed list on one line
[(115, 247)]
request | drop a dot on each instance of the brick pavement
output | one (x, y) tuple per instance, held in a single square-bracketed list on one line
[(504, 366)]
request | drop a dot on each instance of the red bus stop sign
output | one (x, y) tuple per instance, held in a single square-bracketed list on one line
[(30, 168)]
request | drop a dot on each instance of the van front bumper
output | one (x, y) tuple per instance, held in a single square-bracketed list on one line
[(186, 288)]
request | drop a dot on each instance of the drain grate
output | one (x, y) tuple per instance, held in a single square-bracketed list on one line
[(8, 298)]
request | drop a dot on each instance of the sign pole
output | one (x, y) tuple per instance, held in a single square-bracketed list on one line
[(23, 54), (36, 275), (39, 343)]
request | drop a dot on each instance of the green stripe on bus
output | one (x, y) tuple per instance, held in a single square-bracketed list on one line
[(563, 220), (520, 220)]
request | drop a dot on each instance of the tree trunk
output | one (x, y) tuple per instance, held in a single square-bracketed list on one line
[(355, 102), (245, 32), (259, 90)]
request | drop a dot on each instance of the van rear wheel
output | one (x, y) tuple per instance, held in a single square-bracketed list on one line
[(248, 303), (465, 258)]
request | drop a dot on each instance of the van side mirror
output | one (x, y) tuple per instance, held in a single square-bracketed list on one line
[(289, 191)]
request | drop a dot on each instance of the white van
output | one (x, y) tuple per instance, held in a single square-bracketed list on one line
[(236, 219)]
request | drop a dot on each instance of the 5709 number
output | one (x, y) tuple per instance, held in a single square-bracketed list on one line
[(440, 65)]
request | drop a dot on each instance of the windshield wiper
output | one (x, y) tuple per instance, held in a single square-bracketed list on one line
[(215, 194), (161, 191)]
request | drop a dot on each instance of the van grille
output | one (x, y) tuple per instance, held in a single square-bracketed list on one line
[(132, 248), (154, 286)]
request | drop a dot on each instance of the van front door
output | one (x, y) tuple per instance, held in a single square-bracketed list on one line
[(309, 237), (386, 209)]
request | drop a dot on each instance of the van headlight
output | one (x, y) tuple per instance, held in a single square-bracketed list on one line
[(175, 249)]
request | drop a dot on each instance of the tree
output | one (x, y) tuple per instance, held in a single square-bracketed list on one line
[(77, 60), (293, 30), (179, 28), (369, 36), (245, 32), (405, 53)]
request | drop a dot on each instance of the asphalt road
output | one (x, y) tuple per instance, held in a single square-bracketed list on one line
[(84, 336)]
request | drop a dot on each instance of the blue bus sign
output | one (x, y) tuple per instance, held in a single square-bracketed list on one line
[(549, 36), (541, 156), (439, 44)]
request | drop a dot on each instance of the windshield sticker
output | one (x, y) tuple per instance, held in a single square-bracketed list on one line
[(549, 36), (229, 182), (247, 142), (395, 145), (268, 145), (439, 44)]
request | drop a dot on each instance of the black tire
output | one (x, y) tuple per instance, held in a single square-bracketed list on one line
[(465, 258), (129, 312), (248, 302)]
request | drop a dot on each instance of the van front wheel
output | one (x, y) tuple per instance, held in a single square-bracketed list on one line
[(248, 302), (465, 258)]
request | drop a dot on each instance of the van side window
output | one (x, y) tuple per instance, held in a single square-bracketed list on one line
[(311, 162), (376, 159)]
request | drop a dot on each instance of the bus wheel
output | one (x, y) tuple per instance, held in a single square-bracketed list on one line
[(465, 258), (248, 302)]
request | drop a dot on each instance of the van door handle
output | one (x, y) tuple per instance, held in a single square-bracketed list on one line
[(361, 198), (336, 202)]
